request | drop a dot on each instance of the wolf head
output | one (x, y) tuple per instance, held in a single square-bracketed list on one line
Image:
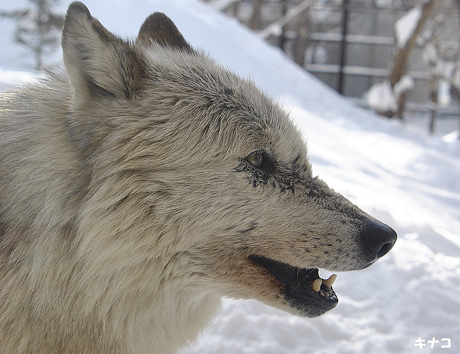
[(197, 175)]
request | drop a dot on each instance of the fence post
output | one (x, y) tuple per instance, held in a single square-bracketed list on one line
[(343, 49)]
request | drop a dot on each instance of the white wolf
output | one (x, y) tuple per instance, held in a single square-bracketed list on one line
[(148, 184)]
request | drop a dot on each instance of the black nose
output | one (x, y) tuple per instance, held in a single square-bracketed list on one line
[(379, 237)]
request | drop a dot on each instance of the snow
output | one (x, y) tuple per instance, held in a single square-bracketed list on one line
[(402, 177), (444, 96), (382, 98), (406, 25), (11, 78), (406, 83), (444, 70)]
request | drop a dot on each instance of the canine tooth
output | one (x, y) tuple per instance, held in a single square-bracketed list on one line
[(330, 281), (317, 285)]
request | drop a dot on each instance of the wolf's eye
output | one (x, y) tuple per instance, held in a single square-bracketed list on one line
[(256, 158)]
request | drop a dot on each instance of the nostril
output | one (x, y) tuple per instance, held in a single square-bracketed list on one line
[(379, 237), (386, 247)]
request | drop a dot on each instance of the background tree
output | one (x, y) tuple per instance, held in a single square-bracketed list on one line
[(256, 18), (38, 28), (404, 51), (301, 41)]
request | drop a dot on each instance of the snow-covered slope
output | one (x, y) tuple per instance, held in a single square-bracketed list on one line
[(407, 180)]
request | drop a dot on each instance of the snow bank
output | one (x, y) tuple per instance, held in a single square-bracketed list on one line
[(9, 79), (384, 98), (407, 180)]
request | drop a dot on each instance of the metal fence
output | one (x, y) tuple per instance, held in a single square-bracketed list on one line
[(350, 44)]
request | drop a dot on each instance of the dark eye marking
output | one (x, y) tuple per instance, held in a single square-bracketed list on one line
[(259, 166), (262, 170)]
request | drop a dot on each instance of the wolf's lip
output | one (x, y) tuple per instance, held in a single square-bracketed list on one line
[(303, 287)]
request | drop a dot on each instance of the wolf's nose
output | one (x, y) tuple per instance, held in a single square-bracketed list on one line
[(379, 237)]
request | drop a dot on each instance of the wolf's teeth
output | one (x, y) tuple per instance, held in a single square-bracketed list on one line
[(317, 285), (330, 281)]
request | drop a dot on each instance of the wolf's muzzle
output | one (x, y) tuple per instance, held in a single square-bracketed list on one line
[(378, 237)]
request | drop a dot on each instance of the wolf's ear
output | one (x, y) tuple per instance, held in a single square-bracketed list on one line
[(159, 28), (97, 62)]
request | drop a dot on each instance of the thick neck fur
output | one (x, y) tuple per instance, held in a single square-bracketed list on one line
[(112, 294)]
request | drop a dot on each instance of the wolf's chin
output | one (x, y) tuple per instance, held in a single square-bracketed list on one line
[(304, 290)]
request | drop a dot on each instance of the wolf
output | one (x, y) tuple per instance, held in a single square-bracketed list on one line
[(146, 182)]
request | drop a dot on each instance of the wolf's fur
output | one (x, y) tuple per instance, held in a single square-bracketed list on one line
[(130, 201)]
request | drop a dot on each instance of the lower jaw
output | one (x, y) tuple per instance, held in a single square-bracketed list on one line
[(302, 289), (310, 303)]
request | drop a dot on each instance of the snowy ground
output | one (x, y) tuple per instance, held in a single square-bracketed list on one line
[(401, 176)]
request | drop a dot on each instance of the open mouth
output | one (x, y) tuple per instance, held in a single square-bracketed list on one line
[(303, 288)]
